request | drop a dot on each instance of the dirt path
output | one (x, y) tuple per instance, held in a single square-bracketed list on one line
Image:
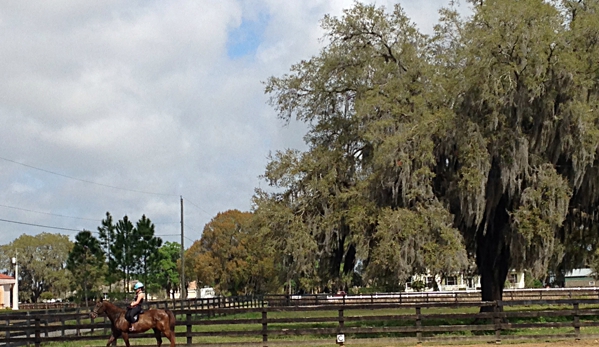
[(391, 343), (563, 343)]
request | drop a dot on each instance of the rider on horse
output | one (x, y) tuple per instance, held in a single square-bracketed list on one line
[(134, 308)]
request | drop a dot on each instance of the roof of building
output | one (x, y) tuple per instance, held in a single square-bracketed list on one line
[(585, 272), (6, 277)]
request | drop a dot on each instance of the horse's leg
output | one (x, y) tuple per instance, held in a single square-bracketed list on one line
[(171, 338), (158, 336), (110, 340), (126, 338), (170, 335)]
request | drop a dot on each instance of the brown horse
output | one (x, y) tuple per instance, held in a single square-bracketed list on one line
[(161, 321)]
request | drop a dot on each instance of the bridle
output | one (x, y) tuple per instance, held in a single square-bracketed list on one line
[(94, 313)]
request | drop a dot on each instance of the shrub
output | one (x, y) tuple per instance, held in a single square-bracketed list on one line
[(418, 286)]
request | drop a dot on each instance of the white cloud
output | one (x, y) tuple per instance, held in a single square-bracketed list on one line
[(142, 96)]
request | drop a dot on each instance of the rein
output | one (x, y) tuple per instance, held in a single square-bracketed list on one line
[(94, 313)]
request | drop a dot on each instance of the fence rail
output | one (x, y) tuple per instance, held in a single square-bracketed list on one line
[(326, 299), (496, 321)]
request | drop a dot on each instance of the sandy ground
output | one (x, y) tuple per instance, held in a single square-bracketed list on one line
[(562, 343), (553, 343), (557, 343)]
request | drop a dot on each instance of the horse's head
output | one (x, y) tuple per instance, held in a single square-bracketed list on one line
[(98, 309)]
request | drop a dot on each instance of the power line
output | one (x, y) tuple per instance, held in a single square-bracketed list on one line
[(194, 230), (68, 229), (201, 209), (38, 225), (47, 213), (73, 217), (85, 181)]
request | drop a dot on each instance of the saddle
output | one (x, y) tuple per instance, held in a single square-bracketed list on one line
[(135, 318)]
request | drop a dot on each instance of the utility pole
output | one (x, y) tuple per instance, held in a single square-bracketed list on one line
[(15, 288), (183, 289)]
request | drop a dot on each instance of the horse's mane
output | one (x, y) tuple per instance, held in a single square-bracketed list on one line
[(112, 306)]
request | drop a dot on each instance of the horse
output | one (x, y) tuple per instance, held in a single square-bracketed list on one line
[(161, 321)]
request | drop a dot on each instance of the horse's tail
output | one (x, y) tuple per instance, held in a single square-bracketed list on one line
[(171, 319)]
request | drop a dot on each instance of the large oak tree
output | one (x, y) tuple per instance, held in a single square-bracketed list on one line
[(479, 142), (42, 264)]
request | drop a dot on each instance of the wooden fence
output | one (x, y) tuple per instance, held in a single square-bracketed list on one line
[(415, 322)]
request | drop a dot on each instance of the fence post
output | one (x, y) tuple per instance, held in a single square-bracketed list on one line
[(78, 333), (28, 328), (497, 321), (576, 322), (38, 339), (264, 329), (46, 323), (418, 325), (61, 326), (341, 328), (7, 336), (188, 332)]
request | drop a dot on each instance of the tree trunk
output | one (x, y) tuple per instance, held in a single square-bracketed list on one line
[(493, 260), (85, 286), (493, 274), (492, 248)]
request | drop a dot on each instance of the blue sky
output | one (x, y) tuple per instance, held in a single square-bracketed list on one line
[(244, 40), (126, 106)]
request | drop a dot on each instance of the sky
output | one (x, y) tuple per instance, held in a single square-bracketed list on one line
[(125, 107)]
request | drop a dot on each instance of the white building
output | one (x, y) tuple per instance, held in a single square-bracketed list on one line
[(577, 278), (460, 281), (7, 285), (194, 292)]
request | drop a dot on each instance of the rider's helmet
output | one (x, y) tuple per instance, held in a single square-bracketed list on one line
[(138, 285)]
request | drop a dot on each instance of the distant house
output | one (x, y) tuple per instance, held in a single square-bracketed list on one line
[(457, 281), (579, 278), (194, 292), (515, 280), (460, 281), (7, 284)]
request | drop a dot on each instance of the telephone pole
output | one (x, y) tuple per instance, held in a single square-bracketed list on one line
[(183, 287), (15, 288)]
